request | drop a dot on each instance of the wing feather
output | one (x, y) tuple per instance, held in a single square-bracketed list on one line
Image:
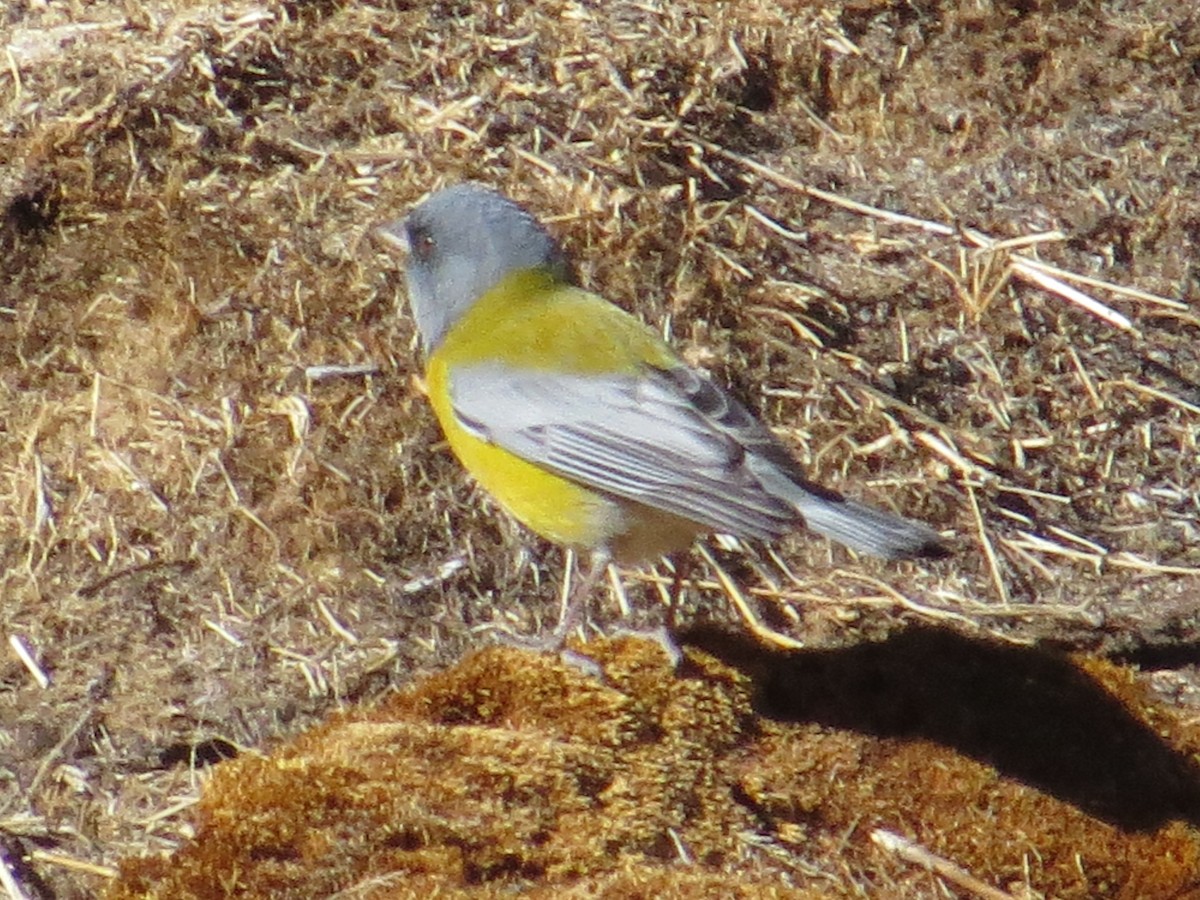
[(668, 438)]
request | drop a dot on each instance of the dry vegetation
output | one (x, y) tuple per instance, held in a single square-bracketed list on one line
[(225, 513)]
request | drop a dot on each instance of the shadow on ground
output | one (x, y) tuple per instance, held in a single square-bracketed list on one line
[(1034, 715)]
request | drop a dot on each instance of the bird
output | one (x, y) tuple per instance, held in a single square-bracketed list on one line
[(580, 420)]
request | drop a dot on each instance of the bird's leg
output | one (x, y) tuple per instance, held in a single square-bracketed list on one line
[(573, 605), (664, 635), (681, 566), (575, 597)]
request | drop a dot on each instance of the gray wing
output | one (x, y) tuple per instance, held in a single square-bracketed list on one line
[(668, 438)]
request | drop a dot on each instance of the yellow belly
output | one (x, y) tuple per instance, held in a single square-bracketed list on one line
[(559, 510)]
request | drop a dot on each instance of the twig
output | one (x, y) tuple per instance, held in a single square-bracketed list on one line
[(443, 573), (56, 751), (988, 550), (778, 178), (618, 588), (8, 880), (1119, 289), (1047, 277), (335, 625), (1158, 395), (898, 599), (1064, 290), (29, 661), (911, 851), (75, 865), (329, 370), (759, 630)]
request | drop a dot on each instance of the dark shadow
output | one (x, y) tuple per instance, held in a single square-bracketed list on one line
[(1175, 379), (1030, 713), (1160, 656), (197, 755)]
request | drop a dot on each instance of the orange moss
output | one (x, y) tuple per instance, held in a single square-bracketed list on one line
[(517, 771)]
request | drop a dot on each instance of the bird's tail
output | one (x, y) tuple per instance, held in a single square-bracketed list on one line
[(865, 528)]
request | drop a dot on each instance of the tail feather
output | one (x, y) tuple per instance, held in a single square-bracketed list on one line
[(867, 529)]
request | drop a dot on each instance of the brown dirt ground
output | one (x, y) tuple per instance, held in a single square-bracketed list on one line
[(225, 515)]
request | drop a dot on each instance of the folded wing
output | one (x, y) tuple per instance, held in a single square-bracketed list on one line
[(666, 438), (671, 439)]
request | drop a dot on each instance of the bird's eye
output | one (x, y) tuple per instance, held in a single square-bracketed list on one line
[(420, 243)]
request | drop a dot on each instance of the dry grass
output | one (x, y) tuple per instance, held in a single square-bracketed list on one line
[(948, 250)]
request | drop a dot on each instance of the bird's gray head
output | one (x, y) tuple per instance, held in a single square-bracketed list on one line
[(462, 241)]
